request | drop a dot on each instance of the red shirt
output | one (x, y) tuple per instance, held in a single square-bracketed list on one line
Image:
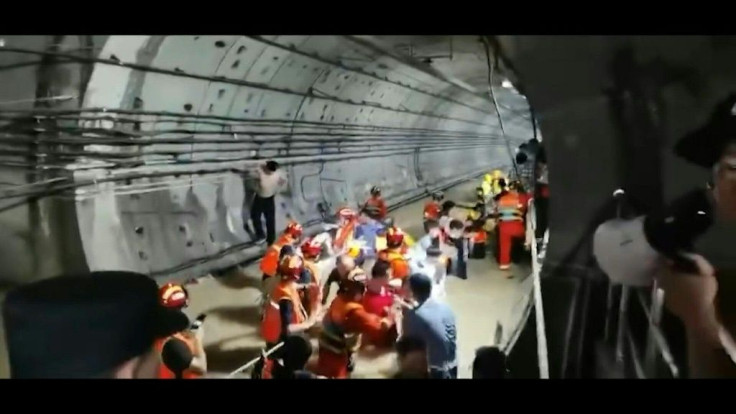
[(377, 302)]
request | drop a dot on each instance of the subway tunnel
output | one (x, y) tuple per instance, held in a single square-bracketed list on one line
[(119, 151)]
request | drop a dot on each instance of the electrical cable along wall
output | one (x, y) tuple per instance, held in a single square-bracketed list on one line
[(150, 156)]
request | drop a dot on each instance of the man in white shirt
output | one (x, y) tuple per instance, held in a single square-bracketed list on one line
[(270, 182)]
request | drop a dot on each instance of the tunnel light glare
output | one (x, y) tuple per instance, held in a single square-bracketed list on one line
[(507, 84)]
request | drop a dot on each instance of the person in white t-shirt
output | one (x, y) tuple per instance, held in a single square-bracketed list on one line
[(270, 181)]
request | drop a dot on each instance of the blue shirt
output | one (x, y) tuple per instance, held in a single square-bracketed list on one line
[(367, 232), (434, 323)]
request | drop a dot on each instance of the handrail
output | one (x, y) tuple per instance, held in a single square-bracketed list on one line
[(542, 356), (656, 345)]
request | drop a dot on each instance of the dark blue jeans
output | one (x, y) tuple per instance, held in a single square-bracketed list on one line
[(443, 374)]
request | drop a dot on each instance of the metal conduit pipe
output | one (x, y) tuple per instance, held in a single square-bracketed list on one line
[(247, 161), (48, 114), (224, 80), (157, 162)]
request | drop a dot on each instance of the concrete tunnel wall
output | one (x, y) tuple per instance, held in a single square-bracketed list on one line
[(340, 116)]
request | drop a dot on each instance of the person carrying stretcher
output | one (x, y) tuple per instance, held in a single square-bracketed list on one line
[(375, 207), (285, 314), (394, 253), (311, 292), (433, 209), (344, 323)]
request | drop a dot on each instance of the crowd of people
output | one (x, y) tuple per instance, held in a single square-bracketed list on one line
[(123, 325)]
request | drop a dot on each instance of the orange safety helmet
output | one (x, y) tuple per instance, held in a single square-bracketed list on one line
[(294, 229), (311, 248), (174, 296), (394, 237), (291, 267)]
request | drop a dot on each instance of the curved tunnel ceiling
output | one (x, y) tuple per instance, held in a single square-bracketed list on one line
[(166, 118)]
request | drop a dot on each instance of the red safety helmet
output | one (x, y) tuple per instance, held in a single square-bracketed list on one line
[(311, 248), (346, 213), (174, 296), (291, 267), (394, 237), (294, 229)]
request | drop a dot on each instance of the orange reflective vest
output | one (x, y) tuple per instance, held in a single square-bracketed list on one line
[(334, 337), (399, 265), (315, 293), (344, 234), (270, 261), (509, 207), (271, 324), (163, 371)]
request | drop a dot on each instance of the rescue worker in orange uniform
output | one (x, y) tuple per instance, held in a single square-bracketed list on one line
[(286, 243), (284, 313), (342, 327), (347, 220), (394, 254), (175, 296), (375, 207), (433, 209), (510, 224), (311, 293), (290, 237)]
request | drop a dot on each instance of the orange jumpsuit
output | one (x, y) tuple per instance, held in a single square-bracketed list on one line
[(270, 261), (271, 325), (510, 225), (399, 266), (343, 325), (379, 205), (163, 371), (312, 296)]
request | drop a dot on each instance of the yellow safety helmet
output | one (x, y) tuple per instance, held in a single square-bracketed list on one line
[(487, 178), (353, 249), (497, 174)]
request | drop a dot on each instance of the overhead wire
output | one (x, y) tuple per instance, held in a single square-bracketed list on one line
[(491, 67)]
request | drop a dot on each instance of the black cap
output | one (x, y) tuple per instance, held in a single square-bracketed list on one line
[(85, 325), (704, 146)]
